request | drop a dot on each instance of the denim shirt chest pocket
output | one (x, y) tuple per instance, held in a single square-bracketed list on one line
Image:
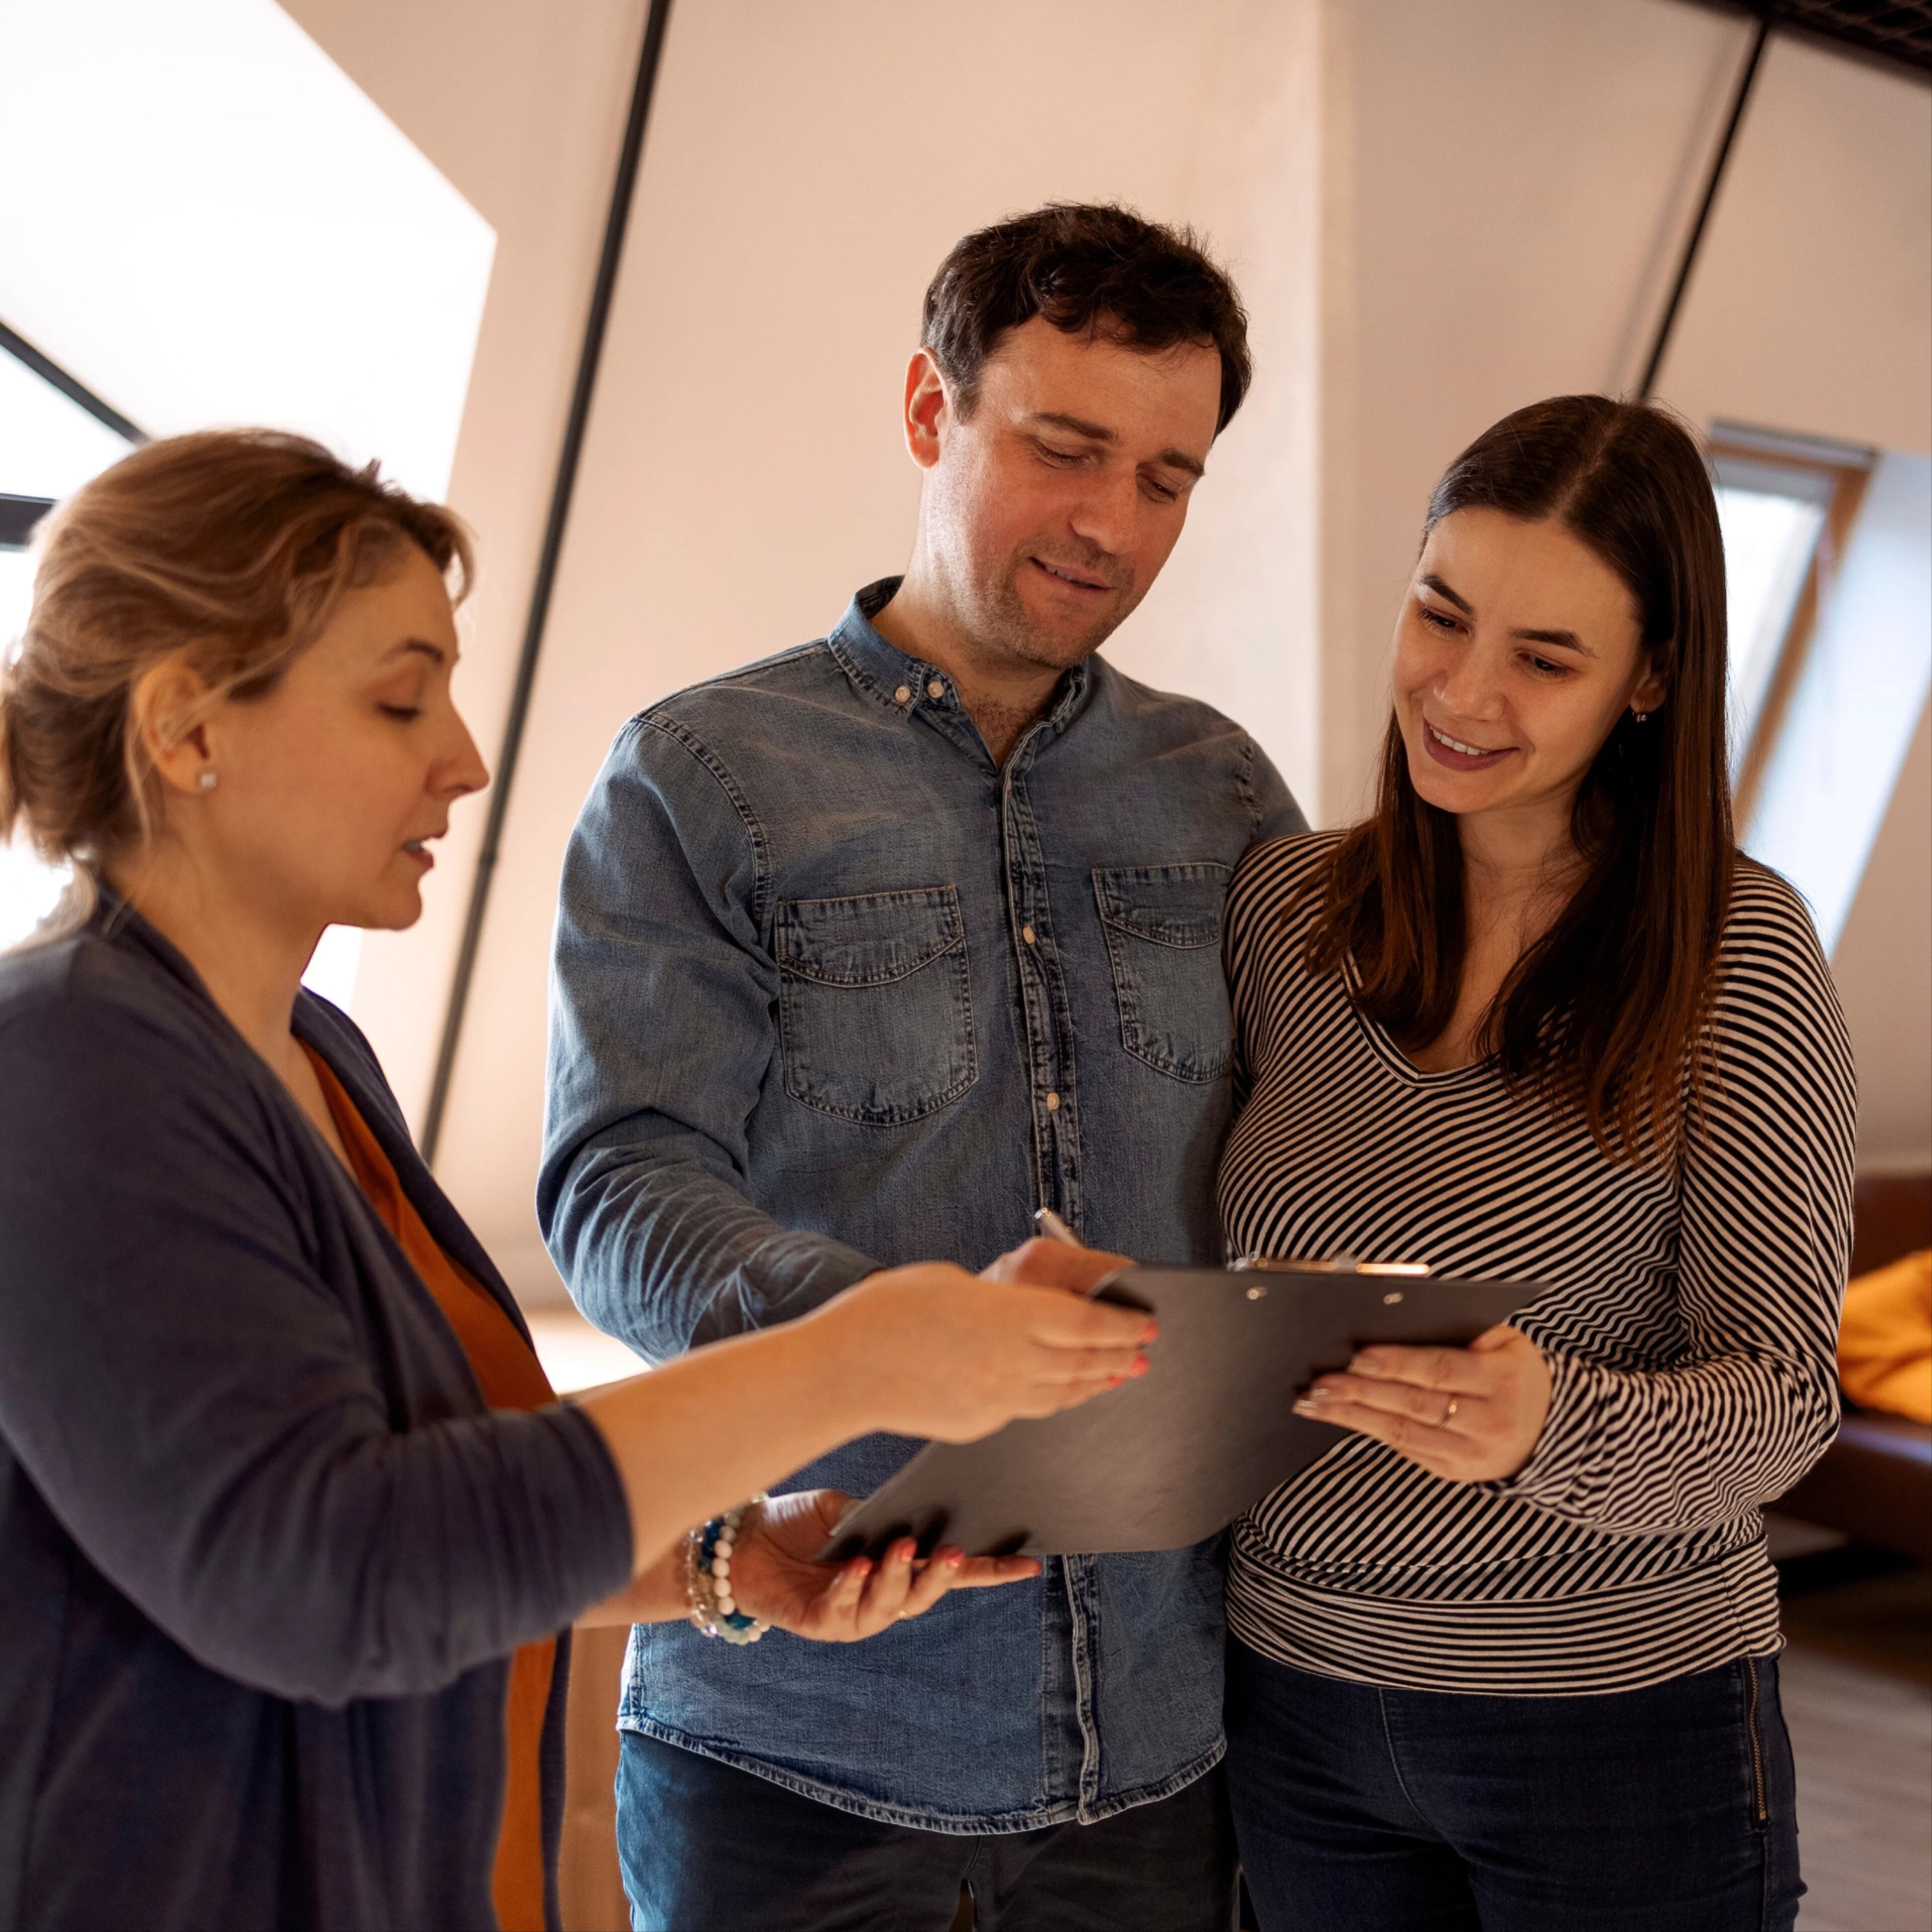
[(875, 1007), (1162, 925)]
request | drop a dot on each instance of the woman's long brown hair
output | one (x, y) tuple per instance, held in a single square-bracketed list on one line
[(1606, 1015)]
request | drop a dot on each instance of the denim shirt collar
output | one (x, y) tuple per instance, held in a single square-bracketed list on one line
[(911, 687)]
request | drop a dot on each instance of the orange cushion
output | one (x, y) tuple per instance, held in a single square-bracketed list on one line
[(1885, 1340)]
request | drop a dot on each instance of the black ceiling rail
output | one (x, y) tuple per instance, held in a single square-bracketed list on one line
[(50, 372), (18, 516), (1893, 35), (1740, 100), (616, 220)]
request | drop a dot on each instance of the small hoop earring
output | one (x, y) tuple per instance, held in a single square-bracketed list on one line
[(208, 780)]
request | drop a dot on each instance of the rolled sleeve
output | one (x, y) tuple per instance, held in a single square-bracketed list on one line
[(663, 1028)]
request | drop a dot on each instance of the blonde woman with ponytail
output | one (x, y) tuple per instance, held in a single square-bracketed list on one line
[(292, 1530)]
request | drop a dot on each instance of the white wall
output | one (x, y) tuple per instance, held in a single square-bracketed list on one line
[(1439, 209), (1812, 311), (806, 169), (1811, 307), (212, 223), (1514, 179), (1514, 172), (522, 108), (1520, 175)]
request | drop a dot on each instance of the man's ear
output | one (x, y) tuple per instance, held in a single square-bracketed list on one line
[(169, 705), (927, 408)]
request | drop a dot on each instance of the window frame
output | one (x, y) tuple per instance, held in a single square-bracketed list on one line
[(1844, 470), (19, 514)]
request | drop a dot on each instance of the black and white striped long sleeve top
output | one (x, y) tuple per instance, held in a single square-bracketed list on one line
[(1690, 1327)]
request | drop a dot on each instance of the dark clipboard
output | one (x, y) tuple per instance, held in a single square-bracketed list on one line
[(1175, 1455)]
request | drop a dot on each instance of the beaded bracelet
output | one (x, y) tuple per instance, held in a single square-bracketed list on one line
[(707, 1578)]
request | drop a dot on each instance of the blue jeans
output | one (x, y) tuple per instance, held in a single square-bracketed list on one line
[(709, 1848), (1668, 1809)]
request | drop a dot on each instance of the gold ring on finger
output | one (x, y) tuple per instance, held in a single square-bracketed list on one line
[(1449, 1413)]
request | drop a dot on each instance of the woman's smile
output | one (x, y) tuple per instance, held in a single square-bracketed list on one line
[(1459, 755), (1517, 625)]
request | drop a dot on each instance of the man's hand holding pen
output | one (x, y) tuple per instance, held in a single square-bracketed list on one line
[(1055, 1257)]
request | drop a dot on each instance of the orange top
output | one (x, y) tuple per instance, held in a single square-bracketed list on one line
[(510, 1377)]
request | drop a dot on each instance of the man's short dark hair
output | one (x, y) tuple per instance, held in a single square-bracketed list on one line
[(1088, 270)]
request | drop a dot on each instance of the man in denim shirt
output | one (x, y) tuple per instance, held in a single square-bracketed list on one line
[(864, 953)]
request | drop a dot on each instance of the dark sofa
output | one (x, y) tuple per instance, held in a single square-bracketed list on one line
[(1875, 1481)]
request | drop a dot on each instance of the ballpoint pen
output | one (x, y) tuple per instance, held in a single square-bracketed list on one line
[(1050, 1224)]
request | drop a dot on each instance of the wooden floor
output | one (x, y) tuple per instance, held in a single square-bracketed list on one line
[(1857, 1684)]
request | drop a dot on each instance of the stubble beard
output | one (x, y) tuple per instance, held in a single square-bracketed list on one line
[(1010, 629)]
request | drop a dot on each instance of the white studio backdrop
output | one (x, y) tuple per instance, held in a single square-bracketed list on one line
[(209, 224)]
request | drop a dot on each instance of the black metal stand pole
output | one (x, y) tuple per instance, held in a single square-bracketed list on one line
[(1745, 81), (595, 324)]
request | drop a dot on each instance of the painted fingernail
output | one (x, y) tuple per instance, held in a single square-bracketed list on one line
[(954, 1558), (1141, 1366), (1152, 1330), (1307, 1406), (1114, 1381)]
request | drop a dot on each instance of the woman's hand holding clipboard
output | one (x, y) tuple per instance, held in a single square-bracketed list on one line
[(1173, 1456), (1470, 1415)]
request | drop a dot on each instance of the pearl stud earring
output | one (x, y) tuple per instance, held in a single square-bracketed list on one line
[(208, 780)]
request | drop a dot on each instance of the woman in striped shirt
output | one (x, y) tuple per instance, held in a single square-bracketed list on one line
[(1505, 1656)]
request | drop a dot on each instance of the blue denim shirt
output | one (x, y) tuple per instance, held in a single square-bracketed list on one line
[(833, 992)]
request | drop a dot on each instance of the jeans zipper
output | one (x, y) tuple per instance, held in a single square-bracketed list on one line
[(1756, 1750)]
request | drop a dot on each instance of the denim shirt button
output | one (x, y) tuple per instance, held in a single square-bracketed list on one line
[(1053, 1103), (936, 688), (903, 695), (1027, 934)]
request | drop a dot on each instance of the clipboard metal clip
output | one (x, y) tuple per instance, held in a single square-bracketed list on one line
[(1335, 1264)]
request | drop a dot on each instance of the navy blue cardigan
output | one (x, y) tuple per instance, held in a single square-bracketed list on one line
[(264, 1551)]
